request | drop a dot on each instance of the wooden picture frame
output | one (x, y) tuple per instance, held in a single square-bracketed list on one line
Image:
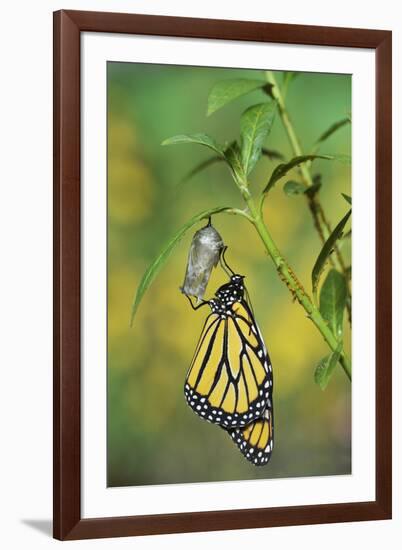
[(68, 523)]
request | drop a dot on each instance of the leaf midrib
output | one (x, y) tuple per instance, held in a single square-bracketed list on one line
[(252, 139)]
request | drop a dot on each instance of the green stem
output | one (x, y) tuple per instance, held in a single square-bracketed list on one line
[(276, 92), (288, 276), (320, 220)]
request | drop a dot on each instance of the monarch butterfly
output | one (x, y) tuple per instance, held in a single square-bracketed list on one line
[(256, 440), (229, 381)]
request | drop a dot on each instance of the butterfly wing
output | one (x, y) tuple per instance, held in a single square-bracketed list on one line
[(256, 440), (230, 378)]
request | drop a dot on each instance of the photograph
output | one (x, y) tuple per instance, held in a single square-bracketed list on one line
[(229, 274)]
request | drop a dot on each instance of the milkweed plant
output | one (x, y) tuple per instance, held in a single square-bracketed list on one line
[(330, 299)]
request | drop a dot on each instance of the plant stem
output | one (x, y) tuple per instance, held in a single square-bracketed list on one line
[(276, 92), (292, 282), (320, 220)]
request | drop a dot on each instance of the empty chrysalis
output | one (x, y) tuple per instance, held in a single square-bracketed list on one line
[(204, 254)]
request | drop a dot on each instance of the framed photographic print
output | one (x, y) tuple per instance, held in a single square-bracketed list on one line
[(222, 321)]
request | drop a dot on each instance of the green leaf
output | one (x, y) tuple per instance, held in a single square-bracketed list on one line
[(333, 297), (326, 251), (231, 155), (332, 129), (199, 168), (326, 367), (343, 159), (282, 169), (234, 159), (347, 198), (271, 154), (200, 139), (159, 262), (294, 188), (255, 125), (228, 90)]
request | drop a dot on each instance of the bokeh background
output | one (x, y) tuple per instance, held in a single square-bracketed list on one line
[(153, 436)]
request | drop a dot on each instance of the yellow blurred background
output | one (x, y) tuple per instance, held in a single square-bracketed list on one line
[(153, 436)]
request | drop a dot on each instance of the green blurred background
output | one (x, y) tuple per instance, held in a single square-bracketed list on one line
[(153, 436)]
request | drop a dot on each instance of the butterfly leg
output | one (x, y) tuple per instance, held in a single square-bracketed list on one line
[(203, 303)]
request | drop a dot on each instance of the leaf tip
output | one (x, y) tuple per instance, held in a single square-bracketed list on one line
[(347, 198), (134, 308), (210, 110)]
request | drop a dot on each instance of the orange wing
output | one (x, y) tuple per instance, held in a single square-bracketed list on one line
[(256, 440), (229, 381)]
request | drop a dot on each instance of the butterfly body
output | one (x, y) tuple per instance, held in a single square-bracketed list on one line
[(229, 382)]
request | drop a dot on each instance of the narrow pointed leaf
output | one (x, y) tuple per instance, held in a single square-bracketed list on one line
[(326, 367), (228, 90), (292, 188), (200, 139), (160, 261), (232, 156), (347, 198), (333, 298), (255, 125), (271, 154), (343, 159), (200, 167), (326, 251), (332, 129), (282, 169)]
